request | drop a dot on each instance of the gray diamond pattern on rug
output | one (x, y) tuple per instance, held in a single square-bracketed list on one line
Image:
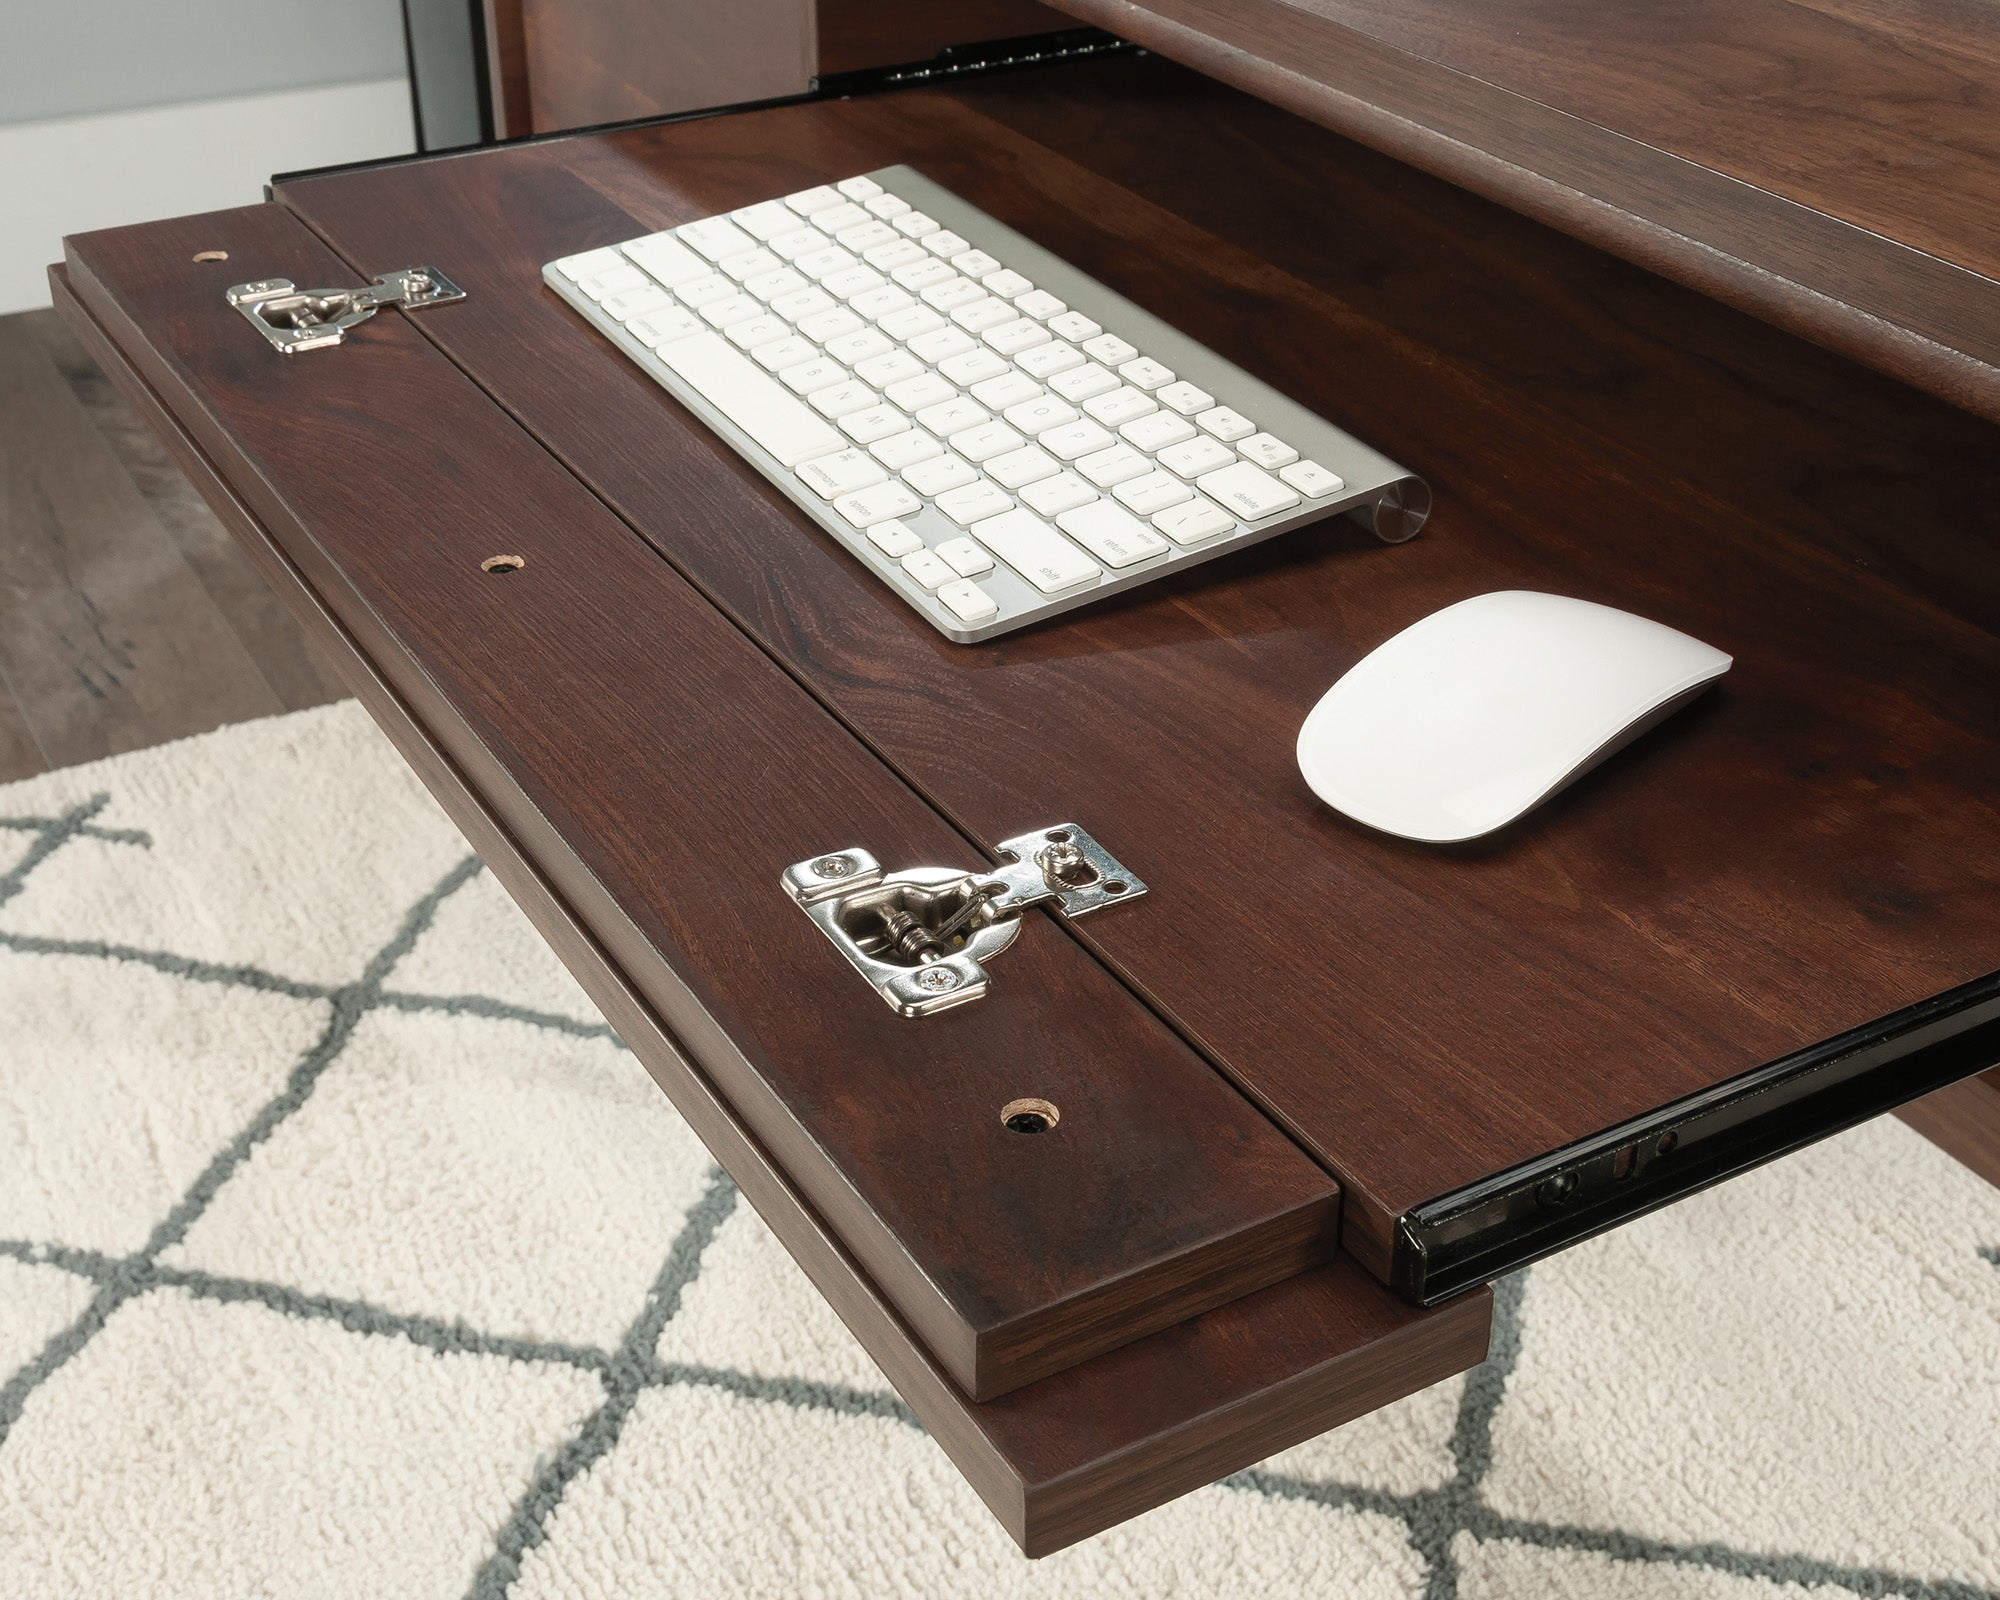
[(344, 1251)]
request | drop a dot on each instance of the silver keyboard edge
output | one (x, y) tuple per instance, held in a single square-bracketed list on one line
[(1378, 477)]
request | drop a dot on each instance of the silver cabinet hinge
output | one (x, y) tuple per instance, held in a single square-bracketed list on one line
[(922, 937), (295, 319)]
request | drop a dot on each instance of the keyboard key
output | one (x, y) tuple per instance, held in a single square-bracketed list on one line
[(977, 316), (749, 397), (1248, 490), (1011, 338), (825, 325), (591, 262), (973, 366), (1044, 361), (1193, 521), (754, 331), (1225, 424), (1120, 405), (1113, 466), (675, 322), (926, 389), (1115, 537), (968, 602), (872, 423), (886, 205), (800, 241), (894, 538), (1006, 283), (965, 558), (1085, 382), (1078, 438), (945, 243), (950, 293), (737, 308), (883, 503), (842, 472), (855, 348), (766, 221), (940, 475), (750, 264), (896, 367), (976, 502), (1144, 372), (666, 259), (622, 279), (1039, 304), (1154, 492), (915, 224), (803, 303), (785, 353), (823, 264), (1184, 398), (716, 238), (975, 263), (859, 188), (906, 449), (985, 439), (1040, 414), (1029, 464), (888, 257), (1312, 480), (1005, 388), (1198, 455), (940, 344), (810, 375), (1075, 325), (1110, 349), (875, 304), (1149, 433), (925, 273), (845, 285), (838, 399), (700, 291), (822, 198), (637, 302), (928, 568), (768, 286), (910, 322), (838, 219), (953, 416), (1058, 494), (1267, 451), (1035, 550)]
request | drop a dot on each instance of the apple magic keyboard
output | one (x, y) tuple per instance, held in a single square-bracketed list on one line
[(997, 435)]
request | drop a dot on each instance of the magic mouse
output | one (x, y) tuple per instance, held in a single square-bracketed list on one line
[(1475, 715)]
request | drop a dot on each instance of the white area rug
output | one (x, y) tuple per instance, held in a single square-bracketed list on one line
[(343, 1252)]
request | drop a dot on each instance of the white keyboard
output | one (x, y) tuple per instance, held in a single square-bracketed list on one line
[(997, 435)]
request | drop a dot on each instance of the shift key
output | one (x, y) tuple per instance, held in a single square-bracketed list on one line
[(1036, 551), (1249, 491)]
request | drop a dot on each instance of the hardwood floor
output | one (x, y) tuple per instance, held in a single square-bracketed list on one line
[(127, 615)]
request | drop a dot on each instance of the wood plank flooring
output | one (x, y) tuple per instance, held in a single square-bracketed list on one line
[(127, 615)]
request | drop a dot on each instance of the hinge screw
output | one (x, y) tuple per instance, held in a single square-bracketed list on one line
[(937, 979), (833, 866)]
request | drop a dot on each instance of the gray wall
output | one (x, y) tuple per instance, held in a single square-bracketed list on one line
[(64, 58)]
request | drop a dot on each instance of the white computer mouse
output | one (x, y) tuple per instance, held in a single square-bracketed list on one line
[(1475, 715)]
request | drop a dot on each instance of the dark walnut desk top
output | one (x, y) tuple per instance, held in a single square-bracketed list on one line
[(686, 689), (1831, 165)]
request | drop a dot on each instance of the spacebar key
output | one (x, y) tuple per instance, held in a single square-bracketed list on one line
[(749, 397)]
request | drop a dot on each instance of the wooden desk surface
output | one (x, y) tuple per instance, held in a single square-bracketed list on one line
[(1804, 852), (1831, 165)]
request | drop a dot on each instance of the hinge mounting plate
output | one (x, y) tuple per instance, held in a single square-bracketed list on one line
[(296, 319)]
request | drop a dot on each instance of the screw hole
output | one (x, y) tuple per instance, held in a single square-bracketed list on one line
[(1116, 886), (1029, 1116), (500, 564), (211, 255), (1667, 1142), (1057, 836)]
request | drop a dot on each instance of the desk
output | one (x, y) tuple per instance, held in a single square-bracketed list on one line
[(685, 689)]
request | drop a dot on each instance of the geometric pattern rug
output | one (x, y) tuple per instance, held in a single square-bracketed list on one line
[(345, 1252)]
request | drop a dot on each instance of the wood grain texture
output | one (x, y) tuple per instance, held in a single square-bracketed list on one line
[(591, 61), (853, 34), (108, 639), (507, 68), (1803, 852), (1161, 1193), (1055, 1461), (1964, 1121), (1832, 170)]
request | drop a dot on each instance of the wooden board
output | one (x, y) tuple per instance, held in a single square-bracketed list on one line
[(680, 772), (1056, 1460), (1831, 165), (1806, 851)]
